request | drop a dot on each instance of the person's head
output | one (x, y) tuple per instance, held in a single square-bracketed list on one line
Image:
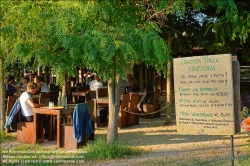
[(130, 77), (25, 80), (39, 79), (32, 87), (10, 79), (96, 77)]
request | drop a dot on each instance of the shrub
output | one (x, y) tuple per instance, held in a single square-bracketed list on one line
[(3, 136), (100, 150)]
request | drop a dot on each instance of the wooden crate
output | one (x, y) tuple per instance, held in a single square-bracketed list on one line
[(67, 137), (25, 132)]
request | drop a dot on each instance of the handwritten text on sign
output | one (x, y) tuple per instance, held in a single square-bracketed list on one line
[(204, 95)]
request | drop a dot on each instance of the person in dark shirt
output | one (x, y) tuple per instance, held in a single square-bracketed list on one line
[(11, 86), (124, 85), (133, 84)]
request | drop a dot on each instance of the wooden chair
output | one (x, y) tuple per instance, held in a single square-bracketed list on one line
[(90, 95), (54, 96), (25, 132), (102, 92), (7, 93), (10, 102), (152, 107), (123, 116), (100, 114), (133, 118), (44, 98), (91, 107), (67, 132), (100, 110)]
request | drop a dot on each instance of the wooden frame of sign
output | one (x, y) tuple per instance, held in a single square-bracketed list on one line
[(204, 95)]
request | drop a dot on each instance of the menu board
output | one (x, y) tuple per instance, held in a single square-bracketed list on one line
[(204, 95)]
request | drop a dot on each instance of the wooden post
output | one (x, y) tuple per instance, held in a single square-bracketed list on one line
[(39, 71), (2, 94), (141, 77), (169, 98), (236, 86), (46, 75)]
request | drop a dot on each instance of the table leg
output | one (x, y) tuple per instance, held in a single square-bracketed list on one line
[(58, 130), (53, 127), (34, 129), (50, 128)]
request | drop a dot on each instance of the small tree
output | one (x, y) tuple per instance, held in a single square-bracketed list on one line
[(107, 35)]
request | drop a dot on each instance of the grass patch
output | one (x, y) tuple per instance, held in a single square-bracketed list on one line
[(26, 147), (3, 136), (100, 150)]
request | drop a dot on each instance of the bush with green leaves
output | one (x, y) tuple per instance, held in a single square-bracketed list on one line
[(101, 150), (3, 136)]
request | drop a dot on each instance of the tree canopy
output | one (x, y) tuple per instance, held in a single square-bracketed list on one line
[(67, 34), (108, 34)]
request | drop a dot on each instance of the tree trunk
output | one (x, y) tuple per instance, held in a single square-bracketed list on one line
[(141, 78), (2, 95), (169, 84), (39, 70), (114, 87), (64, 87), (46, 75)]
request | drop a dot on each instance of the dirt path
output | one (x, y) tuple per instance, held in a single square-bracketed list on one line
[(165, 146)]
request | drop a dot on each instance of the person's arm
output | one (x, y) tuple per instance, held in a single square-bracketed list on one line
[(17, 87), (34, 105), (40, 85)]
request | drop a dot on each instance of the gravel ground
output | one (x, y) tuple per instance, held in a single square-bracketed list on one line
[(165, 146)]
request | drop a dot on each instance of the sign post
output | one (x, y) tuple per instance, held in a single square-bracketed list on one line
[(204, 96)]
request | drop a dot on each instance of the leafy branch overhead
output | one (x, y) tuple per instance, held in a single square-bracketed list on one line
[(70, 34), (111, 34)]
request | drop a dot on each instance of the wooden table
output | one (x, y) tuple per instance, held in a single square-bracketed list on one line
[(77, 94), (48, 111)]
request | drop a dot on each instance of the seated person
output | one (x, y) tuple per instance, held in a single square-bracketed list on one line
[(27, 104), (133, 84), (124, 84), (11, 86), (44, 87), (25, 80), (95, 84)]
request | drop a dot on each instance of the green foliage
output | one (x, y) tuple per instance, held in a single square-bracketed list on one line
[(29, 147), (3, 136), (105, 34), (245, 113), (100, 150)]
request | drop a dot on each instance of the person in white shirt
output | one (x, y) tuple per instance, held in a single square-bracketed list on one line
[(95, 84), (24, 83), (27, 104), (44, 87)]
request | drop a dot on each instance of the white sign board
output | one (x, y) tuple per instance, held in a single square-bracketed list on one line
[(204, 95)]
